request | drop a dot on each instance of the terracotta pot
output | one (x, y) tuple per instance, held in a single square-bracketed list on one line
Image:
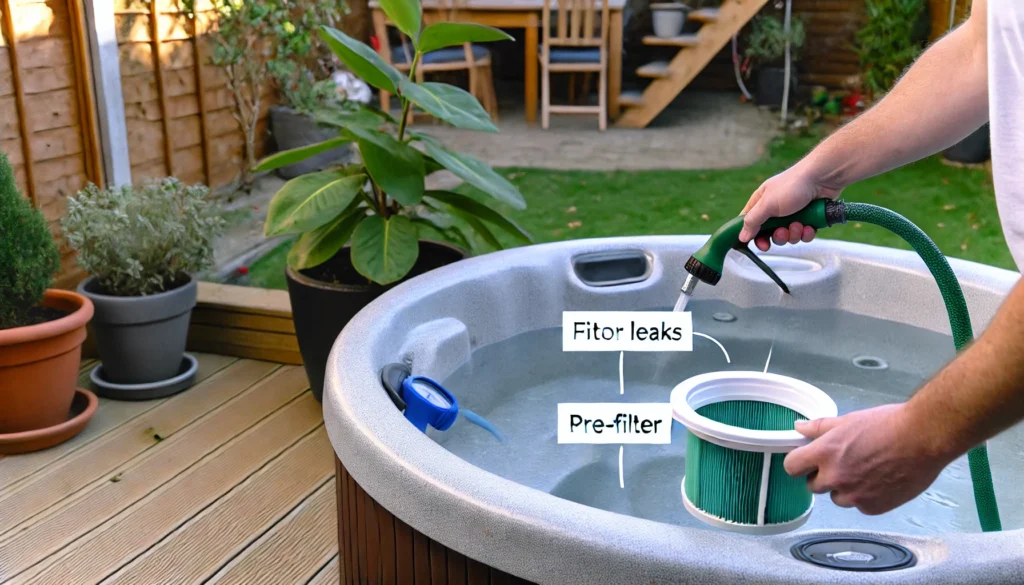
[(39, 365)]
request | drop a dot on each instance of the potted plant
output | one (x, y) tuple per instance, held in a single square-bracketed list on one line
[(294, 126), (668, 18), (362, 228), (766, 44), (141, 247), (259, 44), (302, 69), (41, 332)]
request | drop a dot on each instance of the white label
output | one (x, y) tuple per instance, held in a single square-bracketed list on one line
[(627, 331), (615, 422)]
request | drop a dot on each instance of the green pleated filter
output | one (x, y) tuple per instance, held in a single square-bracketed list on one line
[(726, 483)]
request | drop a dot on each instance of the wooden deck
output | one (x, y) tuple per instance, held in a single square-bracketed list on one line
[(230, 482)]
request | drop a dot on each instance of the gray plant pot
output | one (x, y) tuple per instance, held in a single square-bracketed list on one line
[(293, 130), (141, 339)]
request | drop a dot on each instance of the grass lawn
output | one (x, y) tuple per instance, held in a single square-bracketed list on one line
[(955, 206)]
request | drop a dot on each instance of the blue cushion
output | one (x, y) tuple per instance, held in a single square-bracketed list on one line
[(445, 55), (574, 55)]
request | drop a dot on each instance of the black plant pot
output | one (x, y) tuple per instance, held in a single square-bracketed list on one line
[(771, 81), (326, 297), (291, 129), (972, 150)]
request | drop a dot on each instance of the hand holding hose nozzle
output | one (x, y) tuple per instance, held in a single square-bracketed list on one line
[(706, 264)]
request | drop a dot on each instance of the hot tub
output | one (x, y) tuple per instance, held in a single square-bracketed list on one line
[(865, 324)]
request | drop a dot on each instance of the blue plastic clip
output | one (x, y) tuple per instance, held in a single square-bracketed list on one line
[(428, 403)]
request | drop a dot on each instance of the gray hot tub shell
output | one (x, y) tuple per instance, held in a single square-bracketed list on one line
[(435, 321)]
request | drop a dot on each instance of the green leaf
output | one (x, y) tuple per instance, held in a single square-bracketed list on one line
[(474, 172), (481, 211), (447, 34), (446, 102), (395, 166), (294, 155), (406, 15), (367, 117), (431, 166), (459, 238), (311, 200), (361, 59), (320, 245), (479, 227), (385, 250)]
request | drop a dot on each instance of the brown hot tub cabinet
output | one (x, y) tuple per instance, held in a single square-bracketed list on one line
[(375, 546)]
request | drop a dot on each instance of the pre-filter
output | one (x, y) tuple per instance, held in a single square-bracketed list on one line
[(740, 426)]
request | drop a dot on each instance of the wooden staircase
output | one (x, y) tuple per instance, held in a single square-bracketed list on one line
[(695, 52)]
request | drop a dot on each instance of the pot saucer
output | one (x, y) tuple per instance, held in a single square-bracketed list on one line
[(83, 406), (150, 390)]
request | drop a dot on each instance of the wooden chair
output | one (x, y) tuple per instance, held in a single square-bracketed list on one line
[(580, 45), (474, 59)]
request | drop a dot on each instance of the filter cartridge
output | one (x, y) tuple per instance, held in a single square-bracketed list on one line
[(740, 427)]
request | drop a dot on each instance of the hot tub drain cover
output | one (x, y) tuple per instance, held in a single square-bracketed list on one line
[(853, 554)]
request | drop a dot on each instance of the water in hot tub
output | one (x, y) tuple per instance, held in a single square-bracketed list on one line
[(517, 383)]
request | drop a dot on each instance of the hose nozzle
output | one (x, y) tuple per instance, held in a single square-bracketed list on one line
[(707, 263)]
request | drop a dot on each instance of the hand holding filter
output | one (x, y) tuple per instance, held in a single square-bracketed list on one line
[(428, 403)]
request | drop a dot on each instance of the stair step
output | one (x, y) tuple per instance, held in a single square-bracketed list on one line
[(656, 69), (703, 15), (631, 99), (680, 41)]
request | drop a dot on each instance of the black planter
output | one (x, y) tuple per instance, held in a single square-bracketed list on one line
[(771, 81), (326, 297), (972, 150), (291, 129)]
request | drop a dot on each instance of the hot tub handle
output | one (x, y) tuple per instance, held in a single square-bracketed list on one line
[(612, 268)]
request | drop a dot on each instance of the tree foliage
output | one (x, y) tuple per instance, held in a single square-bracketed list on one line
[(892, 38), (28, 255)]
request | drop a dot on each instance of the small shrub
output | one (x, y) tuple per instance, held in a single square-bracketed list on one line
[(146, 240), (767, 39), (892, 38), (28, 255)]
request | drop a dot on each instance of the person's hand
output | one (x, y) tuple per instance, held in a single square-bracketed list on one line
[(785, 193), (871, 459)]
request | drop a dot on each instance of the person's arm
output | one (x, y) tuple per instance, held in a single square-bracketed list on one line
[(941, 99), (880, 458)]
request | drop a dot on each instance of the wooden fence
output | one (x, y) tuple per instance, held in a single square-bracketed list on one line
[(47, 116), (178, 109)]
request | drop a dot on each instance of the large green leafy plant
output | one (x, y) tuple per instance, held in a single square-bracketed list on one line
[(380, 205), (893, 36), (28, 256)]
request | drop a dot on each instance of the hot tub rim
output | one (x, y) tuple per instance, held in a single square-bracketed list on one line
[(552, 519)]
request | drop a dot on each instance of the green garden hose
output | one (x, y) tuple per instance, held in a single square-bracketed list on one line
[(959, 322), (707, 263)]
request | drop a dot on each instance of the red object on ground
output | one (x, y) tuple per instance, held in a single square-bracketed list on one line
[(375, 43), (243, 270)]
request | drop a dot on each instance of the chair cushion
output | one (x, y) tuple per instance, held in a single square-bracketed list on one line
[(445, 55), (574, 55)]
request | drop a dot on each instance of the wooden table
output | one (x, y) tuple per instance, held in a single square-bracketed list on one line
[(526, 14)]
